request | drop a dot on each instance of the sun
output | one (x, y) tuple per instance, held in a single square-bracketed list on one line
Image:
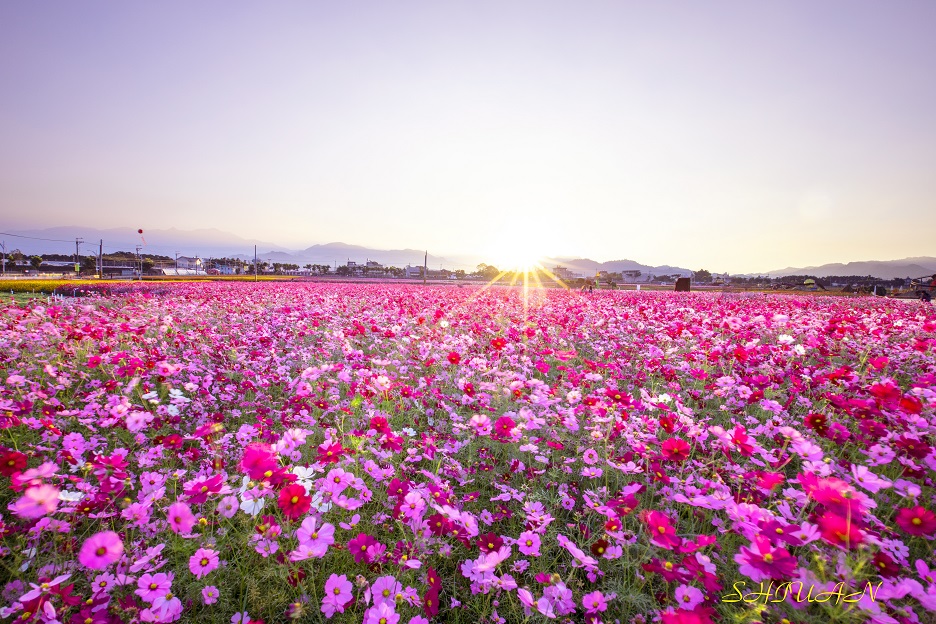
[(516, 255)]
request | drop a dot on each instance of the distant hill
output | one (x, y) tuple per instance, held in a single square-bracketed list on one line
[(882, 269), (207, 243), (203, 242), (341, 253)]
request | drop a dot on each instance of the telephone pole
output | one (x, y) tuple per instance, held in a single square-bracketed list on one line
[(425, 266), (3, 246), (255, 264), (139, 261), (77, 261), (101, 258)]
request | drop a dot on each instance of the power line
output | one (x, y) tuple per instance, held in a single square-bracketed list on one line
[(52, 240)]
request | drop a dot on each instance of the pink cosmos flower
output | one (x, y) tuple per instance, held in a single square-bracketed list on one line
[(210, 594), (228, 506), (688, 597), (385, 589), (413, 505), (151, 586), (382, 613), (594, 602), (529, 543), (100, 550), (316, 539), (337, 595), (37, 501), (203, 562), (180, 517)]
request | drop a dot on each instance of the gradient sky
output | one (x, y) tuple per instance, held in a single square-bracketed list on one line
[(735, 136)]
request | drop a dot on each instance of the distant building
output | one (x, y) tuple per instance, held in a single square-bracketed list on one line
[(563, 273), (412, 271)]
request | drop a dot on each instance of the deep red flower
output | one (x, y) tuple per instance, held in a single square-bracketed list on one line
[(885, 565), (439, 525), (433, 578), (676, 449), (816, 422), (11, 462), (489, 542), (294, 502), (330, 454), (599, 547), (431, 602), (454, 358), (498, 343), (913, 448)]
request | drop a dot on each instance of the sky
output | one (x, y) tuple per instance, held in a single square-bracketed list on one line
[(729, 135)]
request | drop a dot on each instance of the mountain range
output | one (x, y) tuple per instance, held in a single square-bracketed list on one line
[(213, 242), (919, 266)]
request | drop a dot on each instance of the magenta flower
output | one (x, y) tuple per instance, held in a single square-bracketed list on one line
[(100, 550), (180, 517), (203, 562), (359, 545), (762, 562)]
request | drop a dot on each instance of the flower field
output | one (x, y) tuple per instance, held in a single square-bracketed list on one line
[(236, 452)]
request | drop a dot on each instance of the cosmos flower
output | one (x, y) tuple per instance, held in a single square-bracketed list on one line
[(100, 550)]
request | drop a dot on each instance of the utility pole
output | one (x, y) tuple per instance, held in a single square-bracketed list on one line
[(139, 261), (3, 246), (177, 263), (255, 264), (425, 266), (77, 261), (101, 258)]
